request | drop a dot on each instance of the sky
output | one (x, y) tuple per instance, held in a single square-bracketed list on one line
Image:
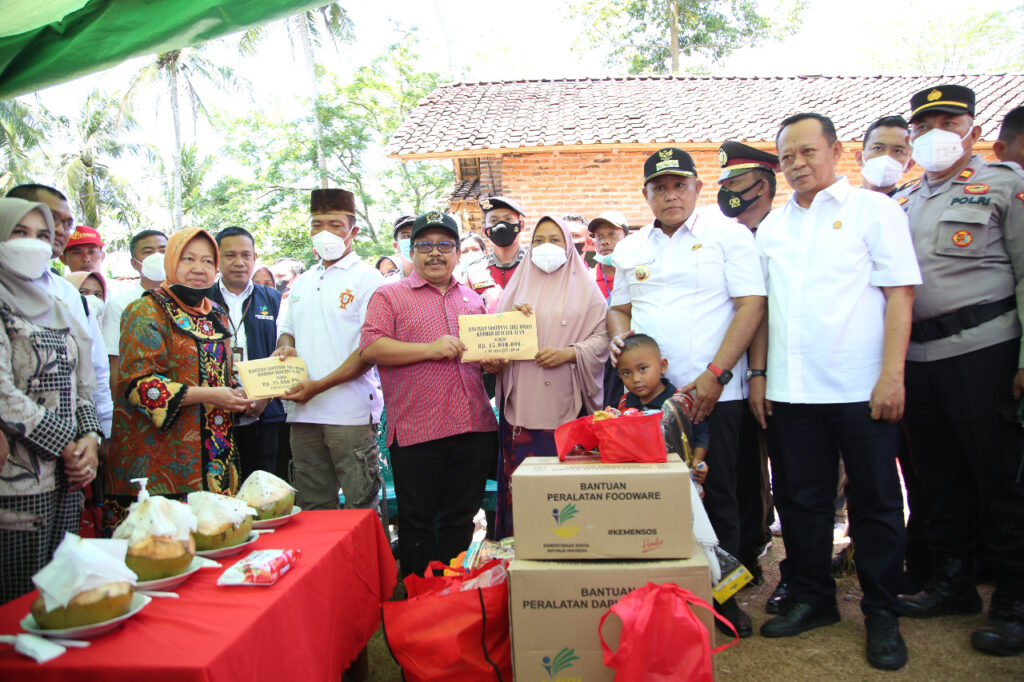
[(483, 40)]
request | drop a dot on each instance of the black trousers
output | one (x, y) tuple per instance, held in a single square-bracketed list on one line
[(967, 446), (720, 485), (439, 486), (257, 447), (753, 491), (810, 439)]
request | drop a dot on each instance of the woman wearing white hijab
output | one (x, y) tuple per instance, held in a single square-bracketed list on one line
[(47, 414)]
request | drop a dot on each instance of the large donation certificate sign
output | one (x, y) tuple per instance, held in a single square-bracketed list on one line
[(506, 336), (270, 377)]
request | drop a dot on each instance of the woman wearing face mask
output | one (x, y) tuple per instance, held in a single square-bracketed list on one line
[(565, 378), (50, 426), (176, 390), (93, 286)]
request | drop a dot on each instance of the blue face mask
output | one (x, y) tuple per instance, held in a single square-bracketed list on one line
[(603, 259), (404, 247)]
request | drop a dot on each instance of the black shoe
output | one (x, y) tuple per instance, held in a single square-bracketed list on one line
[(732, 612), (886, 649), (1003, 632), (780, 600), (949, 591), (800, 617), (842, 563)]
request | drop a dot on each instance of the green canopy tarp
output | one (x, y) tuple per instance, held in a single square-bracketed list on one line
[(45, 42)]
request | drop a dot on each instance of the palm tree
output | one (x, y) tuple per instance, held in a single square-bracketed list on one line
[(185, 68), (331, 21), (21, 130), (94, 139)]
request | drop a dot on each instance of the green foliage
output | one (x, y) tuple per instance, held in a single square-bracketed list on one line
[(637, 34), (22, 129)]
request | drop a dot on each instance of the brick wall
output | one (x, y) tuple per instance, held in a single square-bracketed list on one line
[(591, 182)]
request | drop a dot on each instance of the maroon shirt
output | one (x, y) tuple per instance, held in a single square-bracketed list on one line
[(435, 398)]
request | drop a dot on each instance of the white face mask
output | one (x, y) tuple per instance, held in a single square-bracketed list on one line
[(26, 258), (603, 259), (938, 149), (153, 267), (329, 245), (96, 305), (548, 257), (882, 171)]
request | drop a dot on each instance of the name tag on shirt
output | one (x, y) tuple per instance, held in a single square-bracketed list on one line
[(237, 354)]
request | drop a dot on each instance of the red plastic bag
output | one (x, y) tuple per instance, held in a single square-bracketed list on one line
[(577, 432), (662, 639), (631, 439), (461, 635)]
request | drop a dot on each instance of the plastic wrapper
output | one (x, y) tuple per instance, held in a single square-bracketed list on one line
[(79, 565), (213, 511), (262, 567)]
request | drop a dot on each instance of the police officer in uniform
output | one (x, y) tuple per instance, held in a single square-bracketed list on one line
[(503, 221), (745, 193), (963, 371)]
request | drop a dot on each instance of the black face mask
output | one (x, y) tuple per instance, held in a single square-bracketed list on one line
[(503, 233), (188, 295), (281, 286), (732, 203)]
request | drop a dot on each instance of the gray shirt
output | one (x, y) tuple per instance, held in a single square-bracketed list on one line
[(968, 234)]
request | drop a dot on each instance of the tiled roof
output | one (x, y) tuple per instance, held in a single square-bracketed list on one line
[(464, 117), (465, 190)]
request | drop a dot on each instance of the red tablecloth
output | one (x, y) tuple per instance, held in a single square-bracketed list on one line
[(309, 626)]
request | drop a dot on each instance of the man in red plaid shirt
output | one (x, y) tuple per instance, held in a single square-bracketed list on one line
[(441, 429)]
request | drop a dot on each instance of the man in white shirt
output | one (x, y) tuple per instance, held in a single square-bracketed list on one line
[(333, 437), (67, 292), (840, 271), (142, 246), (692, 281)]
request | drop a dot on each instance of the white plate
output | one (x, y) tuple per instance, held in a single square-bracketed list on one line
[(173, 581), (228, 551), (28, 623), (277, 522)]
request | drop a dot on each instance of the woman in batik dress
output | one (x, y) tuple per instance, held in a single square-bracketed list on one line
[(176, 390)]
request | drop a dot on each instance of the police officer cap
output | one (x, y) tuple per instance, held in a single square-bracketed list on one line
[(949, 99), (669, 161), (332, 201), (435, 220), (488, 204), (400, 222), (737, 158)]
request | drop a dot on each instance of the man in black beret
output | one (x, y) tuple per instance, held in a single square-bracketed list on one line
[(503, 221), (747, 183)]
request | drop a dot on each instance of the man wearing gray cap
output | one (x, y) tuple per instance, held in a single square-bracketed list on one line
[(965, 366)]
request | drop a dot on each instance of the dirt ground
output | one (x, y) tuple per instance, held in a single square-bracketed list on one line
[(939, 649)]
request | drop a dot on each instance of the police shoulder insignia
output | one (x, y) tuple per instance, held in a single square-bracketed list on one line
[(962, 238), (1021, 197), (934, 95), (912, 185), (345, 298), (966, 174), (902, 200), (976, 189)]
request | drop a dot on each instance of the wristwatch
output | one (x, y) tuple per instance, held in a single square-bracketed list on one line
[(97, 436), (724, 375), (751, 373)]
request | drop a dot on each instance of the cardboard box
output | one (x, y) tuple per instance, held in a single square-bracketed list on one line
[(556, 606), (591, 510)]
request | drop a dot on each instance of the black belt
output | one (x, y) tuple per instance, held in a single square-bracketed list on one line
[(959, 320)]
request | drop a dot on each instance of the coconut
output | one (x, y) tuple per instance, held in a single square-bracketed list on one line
[(269, 495), (159, 535), (222, 521), (91, 606)]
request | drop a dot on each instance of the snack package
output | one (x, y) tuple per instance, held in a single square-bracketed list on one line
[(262, 567)]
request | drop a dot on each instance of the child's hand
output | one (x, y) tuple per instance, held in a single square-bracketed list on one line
[(699, 473)]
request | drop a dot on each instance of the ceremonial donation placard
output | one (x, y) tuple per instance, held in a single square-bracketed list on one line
[(270, 377), (508, 336)]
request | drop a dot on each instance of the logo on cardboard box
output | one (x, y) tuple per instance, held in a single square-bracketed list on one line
[(561, 661), (562, 516)]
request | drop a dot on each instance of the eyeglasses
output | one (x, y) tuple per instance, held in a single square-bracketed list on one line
[(427, 247)]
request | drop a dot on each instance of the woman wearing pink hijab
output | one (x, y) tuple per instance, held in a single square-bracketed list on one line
[(564, 379)]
